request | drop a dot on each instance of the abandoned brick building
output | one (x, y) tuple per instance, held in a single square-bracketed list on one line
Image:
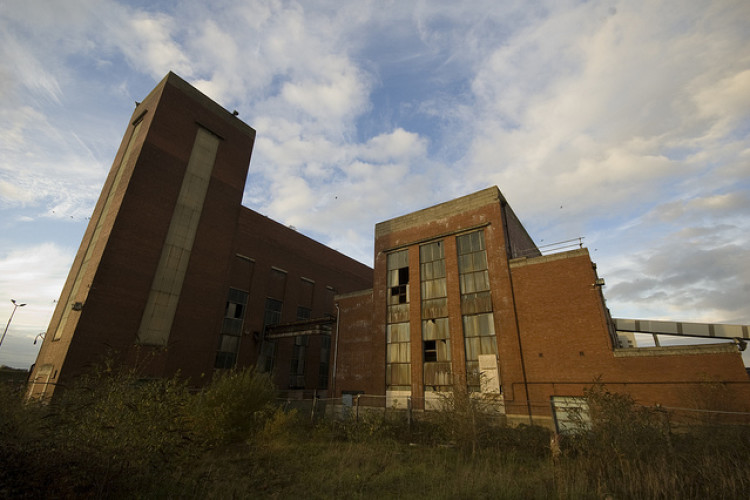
[(175, 275), (463, 298)]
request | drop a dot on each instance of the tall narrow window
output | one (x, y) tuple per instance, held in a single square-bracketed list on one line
[(398, 342), (476, 304), (436, 351), (271, 316), (325, 356), (231, 330), (299, 351), (297, 372)]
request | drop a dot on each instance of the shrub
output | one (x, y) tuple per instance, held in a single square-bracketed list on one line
[(232, 407), (466, 420), (118, 429)]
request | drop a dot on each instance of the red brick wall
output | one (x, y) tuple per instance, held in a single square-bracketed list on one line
[(360, 355), (119, 277), (566, 345)]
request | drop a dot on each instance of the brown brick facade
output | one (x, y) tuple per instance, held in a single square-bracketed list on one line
[(552, 329), (126, 256), (174, 275)]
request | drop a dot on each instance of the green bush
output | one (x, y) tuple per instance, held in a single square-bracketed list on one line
[(630, 451), (119, 430), (232, 407)]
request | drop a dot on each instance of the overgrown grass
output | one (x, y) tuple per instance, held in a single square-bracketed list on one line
[(115, 436)]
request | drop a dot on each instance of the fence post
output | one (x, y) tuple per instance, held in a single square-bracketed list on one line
[(408, 410), (357, 414), (312, 407)]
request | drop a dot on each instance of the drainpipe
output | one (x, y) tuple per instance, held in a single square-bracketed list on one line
[(335, 352), (508, 255)]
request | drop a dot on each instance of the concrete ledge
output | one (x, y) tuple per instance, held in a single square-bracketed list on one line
[(441, 211), (528, 261), (675, 350), (357, 293)]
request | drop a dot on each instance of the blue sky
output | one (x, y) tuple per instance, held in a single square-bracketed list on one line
[(625, 122)]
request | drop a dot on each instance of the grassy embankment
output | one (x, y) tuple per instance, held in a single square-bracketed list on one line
[(114, 436)]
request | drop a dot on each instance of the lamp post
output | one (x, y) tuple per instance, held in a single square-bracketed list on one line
[(16, 305)]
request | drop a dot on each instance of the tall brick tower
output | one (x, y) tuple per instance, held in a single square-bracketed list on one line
[(149, 277)]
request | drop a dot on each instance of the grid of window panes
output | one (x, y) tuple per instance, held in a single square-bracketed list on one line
[(299, 351), (432, 280), (398, 344), (473, 276), (436, 343), (271, 316), (436, 350), (297, 374), (476, 303), (325, 356), (231, 329)]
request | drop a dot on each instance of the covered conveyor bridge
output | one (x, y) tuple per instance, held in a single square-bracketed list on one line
[(739, 333)]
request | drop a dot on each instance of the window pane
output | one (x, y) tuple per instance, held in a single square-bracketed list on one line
[(227, 343), (443, 349), (398, 260), (488, 345), (398, 353), (472, 348), (404, 374)]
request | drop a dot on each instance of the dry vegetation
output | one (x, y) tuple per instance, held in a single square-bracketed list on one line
[(115, 436)]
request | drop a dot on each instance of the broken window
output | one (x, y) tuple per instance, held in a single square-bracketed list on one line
[(436, 343), (231, 330), (476, 304), (398, 338), (430, 351), (398, 277), (436, 351)]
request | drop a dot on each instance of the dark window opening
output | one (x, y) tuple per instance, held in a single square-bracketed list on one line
[(303, 313), (430, 351), (403, 276), (400, 292)]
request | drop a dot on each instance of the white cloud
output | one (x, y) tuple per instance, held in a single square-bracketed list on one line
[(631, 116), (33, 275)]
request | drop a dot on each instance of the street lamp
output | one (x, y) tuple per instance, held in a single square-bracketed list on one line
[(16, 305)]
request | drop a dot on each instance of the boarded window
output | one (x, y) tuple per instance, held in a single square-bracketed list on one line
[(571, 414)]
